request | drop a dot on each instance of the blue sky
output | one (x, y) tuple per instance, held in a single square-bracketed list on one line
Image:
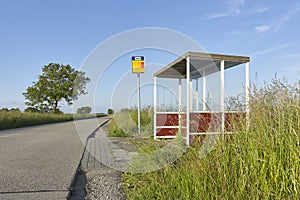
[(35, 33)]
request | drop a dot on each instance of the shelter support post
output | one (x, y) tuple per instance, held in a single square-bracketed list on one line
[(247, 92), (154, 107), (191, 94), (204, 91), (222, 100), (188, 59), (197, 95), (179, 105)]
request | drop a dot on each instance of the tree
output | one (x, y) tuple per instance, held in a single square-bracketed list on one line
[(4, 110), (16, 110), (84, 110), (110, 111), (31, 110), (57, 82)]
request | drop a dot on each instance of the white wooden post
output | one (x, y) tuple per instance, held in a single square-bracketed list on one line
[(247, 91), (191, 94), (179, 105), (154, 108), (204, 90), (222, 95), (197, 96), (188, 100), (179, 94)]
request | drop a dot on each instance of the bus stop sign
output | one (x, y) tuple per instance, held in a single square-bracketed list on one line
[(138, 64)]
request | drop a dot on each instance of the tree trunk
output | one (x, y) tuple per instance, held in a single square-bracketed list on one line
[(55, 107)]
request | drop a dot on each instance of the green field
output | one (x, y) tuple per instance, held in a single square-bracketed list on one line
[(261, 161), (9, 120)]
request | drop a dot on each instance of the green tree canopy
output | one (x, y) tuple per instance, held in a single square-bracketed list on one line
[(31, 110), (4, 110), (57, 82), (110, 111), (84, 110), (16, 110)]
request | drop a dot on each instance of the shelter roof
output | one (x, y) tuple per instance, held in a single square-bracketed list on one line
[(199, 62)]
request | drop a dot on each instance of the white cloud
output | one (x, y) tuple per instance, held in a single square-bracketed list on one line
[(257, 10), (279, 22), (214, 16), (234, 9), (227, 14), (271, 50), (285, 18), (262, 28), (261, 10)]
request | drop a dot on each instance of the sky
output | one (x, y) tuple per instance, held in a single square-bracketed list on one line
[(35, 33)]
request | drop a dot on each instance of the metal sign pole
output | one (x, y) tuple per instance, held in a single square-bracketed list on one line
[(138, 64), (139, 103)]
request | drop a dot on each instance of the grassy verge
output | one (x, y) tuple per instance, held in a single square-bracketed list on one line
[(11, 120), (258, 162)]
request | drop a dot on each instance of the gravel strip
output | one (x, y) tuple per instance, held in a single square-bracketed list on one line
[(96, 181), (104, 184)]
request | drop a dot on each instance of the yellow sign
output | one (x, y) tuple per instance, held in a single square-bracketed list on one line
[(138, 64)]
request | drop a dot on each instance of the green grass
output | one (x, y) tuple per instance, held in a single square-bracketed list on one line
[(9, 120), (261, 161), (124, 123)]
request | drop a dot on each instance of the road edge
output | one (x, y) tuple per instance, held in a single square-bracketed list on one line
[(78, 170)]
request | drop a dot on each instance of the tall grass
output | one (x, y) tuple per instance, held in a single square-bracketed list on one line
[(9, 120), (124, 123), (261, 161)]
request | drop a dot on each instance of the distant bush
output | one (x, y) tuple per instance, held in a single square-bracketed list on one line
[(84, 110), (110, 111), (31, 110), (5, 110), (15, 110)]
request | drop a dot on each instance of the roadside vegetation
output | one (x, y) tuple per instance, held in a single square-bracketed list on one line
[(124, 123), (10, 120), (261, 161)]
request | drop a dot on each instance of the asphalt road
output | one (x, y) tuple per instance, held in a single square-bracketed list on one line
[(40, 162)]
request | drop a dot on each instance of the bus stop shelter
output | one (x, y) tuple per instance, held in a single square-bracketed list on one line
[(188, 120)]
